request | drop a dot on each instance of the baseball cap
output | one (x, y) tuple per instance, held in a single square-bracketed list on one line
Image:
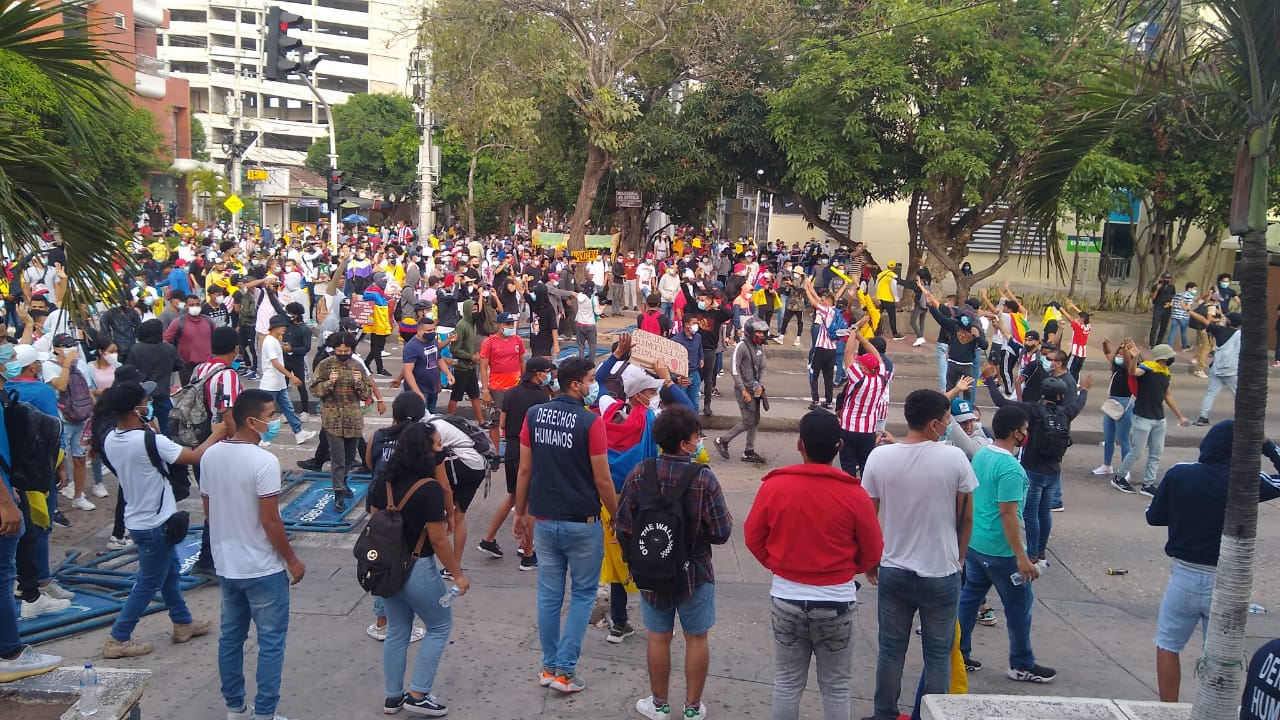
[(278, 321), (506, 318), (536, 365), (64, 340), (1162, 352), (25, 355), (962, 410), (1234, 319), (39, 289), (636, 380), (129, 394)]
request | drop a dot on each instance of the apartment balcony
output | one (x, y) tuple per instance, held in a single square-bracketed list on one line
[(148, 13), (148, 78)]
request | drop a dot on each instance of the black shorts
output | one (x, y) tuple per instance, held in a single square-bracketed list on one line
[(464, 481), (495, 410), (465, 382), (512, 465)]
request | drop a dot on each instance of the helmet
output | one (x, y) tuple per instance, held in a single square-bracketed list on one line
[(1053, 388), (757, 326)]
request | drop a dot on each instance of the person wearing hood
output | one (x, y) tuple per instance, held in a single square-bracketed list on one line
[(297, 343), (379, 326), (815, 529), (1191, 501), (466, 382), (156, 360), (544, 340)]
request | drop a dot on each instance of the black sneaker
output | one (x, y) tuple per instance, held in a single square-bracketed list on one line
[(972, 664), (204, 570), (383, 372), (529, 563), (339, 504), (393, 705), (706, 412), (1118, 482), (715, 392), (360, 469), (1148, 489), (1033, 674), (490, 548), (1202, 421), (494, 464), (751, 456), (722, 447), (61, 519), (618, 633), (826, 405), (311, 464), (426, 705), (814, 405)]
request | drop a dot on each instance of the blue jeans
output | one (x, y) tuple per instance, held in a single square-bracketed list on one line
[(981, 573), (1149, 435), (1186, 603), (1179, 325), (665, 309), (420, 596), (902, 593), (1117, 431), (940, 350), (157, 570), (575, 550), (1037, 516), (286, 409), (840, 369), (694, 391), (163, 408), (10, 643), (265, 601)]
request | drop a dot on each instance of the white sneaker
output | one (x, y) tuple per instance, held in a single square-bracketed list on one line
[(796, 343), (56, 591), (699, 714), (265, 443), (69, 491), (82, 503), (386, 354), (646, 707), (115, 543), (303, 416), (1103, 470), (99, 490), (377, 633), (44, 604), (28, 663), (918, 342), (304, 435)]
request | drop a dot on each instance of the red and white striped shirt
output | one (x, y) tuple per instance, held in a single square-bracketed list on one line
[(223, 387), (864, 400), (1079, 338), (882, 410), (823, 314)]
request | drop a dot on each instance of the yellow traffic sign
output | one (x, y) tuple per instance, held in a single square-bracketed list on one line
[(255, 175), (234, 204)]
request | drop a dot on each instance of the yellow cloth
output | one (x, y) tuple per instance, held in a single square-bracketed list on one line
[(38, 504), (1050, 313), (159, 250), (884, 286), (839, 274), (959, 678), (379, 321), (868, 331), (613, 569)]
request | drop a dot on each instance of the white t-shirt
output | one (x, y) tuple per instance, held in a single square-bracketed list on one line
[(454, 440), (145, 489), (272, 379), (234, 476), (588, 311), (916, 484)]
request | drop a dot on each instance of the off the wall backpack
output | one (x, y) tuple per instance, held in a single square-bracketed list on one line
[(658, 552), (383, 563), (478, 435)]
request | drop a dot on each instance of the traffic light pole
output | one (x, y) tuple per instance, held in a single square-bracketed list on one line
[(333, 157)]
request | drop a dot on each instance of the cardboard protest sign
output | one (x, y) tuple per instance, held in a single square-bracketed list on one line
[(361, 311), (653, 351)]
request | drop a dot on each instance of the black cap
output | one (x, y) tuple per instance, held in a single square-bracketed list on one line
[(64, 340), (278, 321), (537, 364), (295, 308), (130, 394)]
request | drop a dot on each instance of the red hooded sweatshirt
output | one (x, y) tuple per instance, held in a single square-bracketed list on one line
[(814, 524)]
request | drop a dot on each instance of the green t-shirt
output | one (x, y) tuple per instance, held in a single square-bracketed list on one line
[(1001, 479)]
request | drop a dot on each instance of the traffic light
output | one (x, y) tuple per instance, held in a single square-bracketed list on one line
[(279, 44), (334, 189)]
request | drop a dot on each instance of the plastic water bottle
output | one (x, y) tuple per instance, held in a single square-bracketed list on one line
[(1256, 609), (1016, 577), (447, 599), (88, 704)]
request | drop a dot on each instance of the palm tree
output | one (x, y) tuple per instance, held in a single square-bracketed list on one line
[(1219, 51), (40, 187), (209, 185)]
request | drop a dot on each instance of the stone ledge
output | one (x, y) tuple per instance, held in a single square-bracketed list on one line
[(119, 691), (1024, 707)]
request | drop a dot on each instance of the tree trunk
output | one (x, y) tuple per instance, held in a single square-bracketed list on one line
[(598, 162), (1075, 260), (471, 194), (504, 216), (1218, 693)]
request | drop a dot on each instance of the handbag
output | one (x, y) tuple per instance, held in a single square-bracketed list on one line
[(1114, 409), (176, 527)]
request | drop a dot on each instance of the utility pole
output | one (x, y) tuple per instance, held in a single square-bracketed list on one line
[(428, 156), (333, 156)]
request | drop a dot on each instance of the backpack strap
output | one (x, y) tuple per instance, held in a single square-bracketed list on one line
[(153, 453)]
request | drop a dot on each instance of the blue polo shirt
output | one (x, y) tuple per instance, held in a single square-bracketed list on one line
[(694, 346), (39, 394)]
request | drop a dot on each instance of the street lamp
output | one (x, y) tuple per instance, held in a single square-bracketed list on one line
[(755, 225)]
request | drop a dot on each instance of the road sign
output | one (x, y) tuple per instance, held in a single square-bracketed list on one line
[(234, 204), (256, 175), (628, 199)]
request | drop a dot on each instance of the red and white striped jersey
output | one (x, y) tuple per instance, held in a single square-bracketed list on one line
[(864, 400), (882, 410), (823, 314), (1080, 338), (223, 387)]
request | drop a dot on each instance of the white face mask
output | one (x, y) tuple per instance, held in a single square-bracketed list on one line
[(193, 310), (111, 357)]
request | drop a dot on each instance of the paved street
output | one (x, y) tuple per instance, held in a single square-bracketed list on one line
[(1094, 628)]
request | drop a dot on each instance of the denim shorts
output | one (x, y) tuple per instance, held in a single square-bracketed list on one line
[(697, 613), (1186, 603), (71, 440)]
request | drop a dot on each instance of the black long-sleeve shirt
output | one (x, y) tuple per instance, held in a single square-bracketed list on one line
[(1032, 460)]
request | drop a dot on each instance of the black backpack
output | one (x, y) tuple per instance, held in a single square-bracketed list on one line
[(478, 435), (1052, 435), (34, 440), (658, 552), (383, 563)]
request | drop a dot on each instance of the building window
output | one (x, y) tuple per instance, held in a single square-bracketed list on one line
[(196, 16), (121, 22)]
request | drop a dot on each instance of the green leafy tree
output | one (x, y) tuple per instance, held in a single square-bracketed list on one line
[(377, 139), (210, 187), (199, 140)]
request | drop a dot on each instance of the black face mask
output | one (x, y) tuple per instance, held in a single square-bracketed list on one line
[(342, 358)]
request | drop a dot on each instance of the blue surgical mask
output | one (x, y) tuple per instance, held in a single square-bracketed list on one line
[(6, 352), (1044, 362), (235, 365), (701, 447), (555, 385), (273, 429), (1224, 285), (12, 369), (1119, 360), (547, 380), (533, 297), (593, 394), (702, 305), (508, 332), (946, 435), (151, 412)]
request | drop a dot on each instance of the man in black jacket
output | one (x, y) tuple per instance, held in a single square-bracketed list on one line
[(1191, 501)]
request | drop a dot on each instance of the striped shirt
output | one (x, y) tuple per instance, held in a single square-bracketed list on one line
[(863, 400), (1186, 297), (223, 388), (822, 315), (1079, 338)]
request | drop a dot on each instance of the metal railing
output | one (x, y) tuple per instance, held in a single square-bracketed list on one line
[(148, 65)]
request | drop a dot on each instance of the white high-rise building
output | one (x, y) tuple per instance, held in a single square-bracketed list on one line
[(216, 45)]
